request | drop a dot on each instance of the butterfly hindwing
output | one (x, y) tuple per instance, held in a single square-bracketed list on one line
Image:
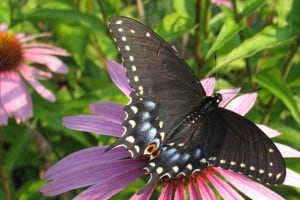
[(246, 149)]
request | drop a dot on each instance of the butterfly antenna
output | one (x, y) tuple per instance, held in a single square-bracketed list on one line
[(216, 73)]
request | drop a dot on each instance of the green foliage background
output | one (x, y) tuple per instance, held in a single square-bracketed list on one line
[(256, 44)]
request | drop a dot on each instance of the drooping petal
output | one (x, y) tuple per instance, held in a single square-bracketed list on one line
[(37, 86), (268, 131), (43, 48), (23, 38), (83, 157), (91, 172), (249, 187), (118, 76), (194, 193), (110, 110), (145, 195), (94, 124), (205, 191), (228, 95), (35, 72), (179, 192), (287, 152), (52, 62), (105, 190), (14, 97), (243, 103), (68, 161), (292, 178), (208, 85), (166, 194), (225, 190)]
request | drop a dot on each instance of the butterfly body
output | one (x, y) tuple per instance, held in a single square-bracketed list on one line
[(171, 121)]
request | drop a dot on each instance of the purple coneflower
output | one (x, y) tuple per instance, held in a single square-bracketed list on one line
[(16, 57), (106, 173)]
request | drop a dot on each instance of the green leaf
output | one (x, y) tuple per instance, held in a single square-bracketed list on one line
[(295, 19), (20, 139), (272, 81), (69, 16), (173, 25), (251, 6), (5, 16), (185, 8), (229, 29), (268, 38), (284, 8)]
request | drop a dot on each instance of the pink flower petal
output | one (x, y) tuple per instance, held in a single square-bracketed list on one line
[(42, 46), (37, 86), (32, 72), (3, 27), (249, 187), (179, 192), (292, 178), (166, 194), (32, 37), (208, 85), (222, 2), (14, 97), (205, 191), (89, 174), (20, 36), (193, 192), (45, 51), (92, 155), (52, 62), (93, 124), (110, 187), (145, 195), (225, 190), (118, 76), (227, 95), (268, 131), (287, 152), (110, 110), (95, 169), (243, 103)]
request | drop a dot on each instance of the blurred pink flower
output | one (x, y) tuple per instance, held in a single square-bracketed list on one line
[(226, 3), (107, 173), (16, 58)]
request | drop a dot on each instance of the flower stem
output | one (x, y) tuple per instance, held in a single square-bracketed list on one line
[(42, 144), (93, 38), (198, 53), (140, 7), (3, 173), (242, 38)]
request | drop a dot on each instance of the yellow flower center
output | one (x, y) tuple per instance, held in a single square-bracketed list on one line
[(10, 52)]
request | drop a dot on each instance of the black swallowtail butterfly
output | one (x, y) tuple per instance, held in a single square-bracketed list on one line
[(171, 121)]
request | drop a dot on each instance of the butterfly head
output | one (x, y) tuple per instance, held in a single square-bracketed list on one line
[(217, 98)]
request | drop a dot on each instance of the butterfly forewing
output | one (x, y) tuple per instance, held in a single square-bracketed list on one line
[(157, 75)]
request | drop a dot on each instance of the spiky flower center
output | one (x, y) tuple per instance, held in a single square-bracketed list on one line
[(10, 52)]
